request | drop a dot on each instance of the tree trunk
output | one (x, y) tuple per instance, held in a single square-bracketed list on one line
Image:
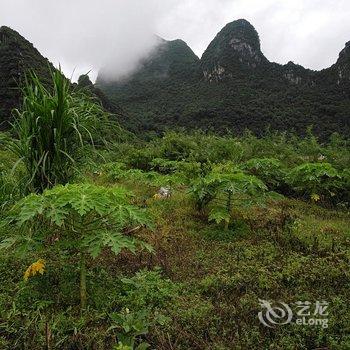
[(228, 207), (83, 294), (48, 336)]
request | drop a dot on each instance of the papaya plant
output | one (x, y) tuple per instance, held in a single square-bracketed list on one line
[(203, 190), (315, 180), (269, 170), (220, 193), (235, 190), (78, 219)]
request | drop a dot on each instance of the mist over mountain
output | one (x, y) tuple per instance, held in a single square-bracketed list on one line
[(233, 87)]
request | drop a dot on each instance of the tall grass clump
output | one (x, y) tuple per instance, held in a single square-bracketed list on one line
[(51, 130)]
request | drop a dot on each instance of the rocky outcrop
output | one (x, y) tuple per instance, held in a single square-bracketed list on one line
[(343, 65), (234, 50)]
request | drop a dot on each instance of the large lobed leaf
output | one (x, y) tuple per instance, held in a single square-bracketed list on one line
[(85, 215)]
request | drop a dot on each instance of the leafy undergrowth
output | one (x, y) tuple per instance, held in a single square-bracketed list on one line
[(205, 281), (201, 286)]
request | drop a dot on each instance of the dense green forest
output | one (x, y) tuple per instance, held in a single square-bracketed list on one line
[(109, 241)]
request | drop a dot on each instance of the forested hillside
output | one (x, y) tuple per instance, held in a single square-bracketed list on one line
[(18, 60), (17, 56), (232, 87)]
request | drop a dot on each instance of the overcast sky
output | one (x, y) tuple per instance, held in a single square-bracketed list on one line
[(84, 35)]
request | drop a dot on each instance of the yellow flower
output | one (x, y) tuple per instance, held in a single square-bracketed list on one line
[(157, 196), (315, 197), (35, 268)]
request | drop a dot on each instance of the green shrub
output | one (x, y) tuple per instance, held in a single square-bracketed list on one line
[(148, 289), (315, 181), (222, 192), (131, 325), (141, 158), (164, 166), (78, 219), (177, 146), (269, 170), (344, 194), (199, 147), (114, 171), (11, 184), (118, 171)]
